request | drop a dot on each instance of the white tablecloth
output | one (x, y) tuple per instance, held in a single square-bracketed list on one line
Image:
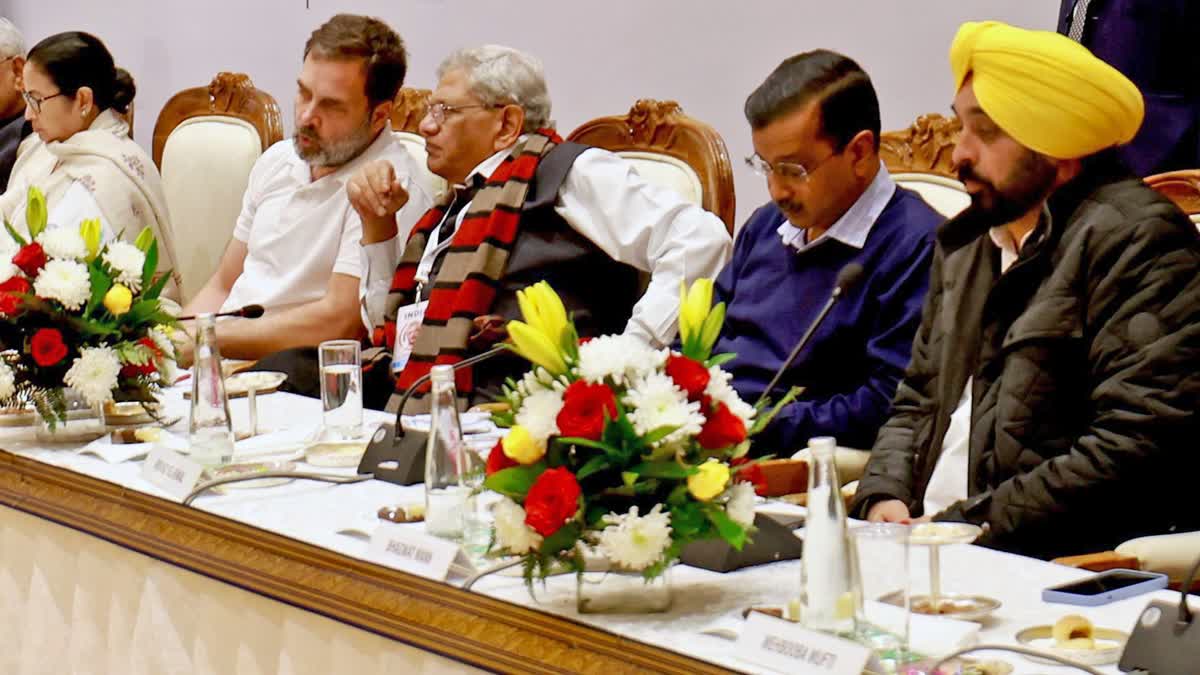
[(315, 512)]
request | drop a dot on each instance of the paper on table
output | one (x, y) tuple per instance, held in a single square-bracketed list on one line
[(115, 453), (290, 441), (472, 422)]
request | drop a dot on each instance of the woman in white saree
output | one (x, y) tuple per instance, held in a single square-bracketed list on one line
[(82, 157)]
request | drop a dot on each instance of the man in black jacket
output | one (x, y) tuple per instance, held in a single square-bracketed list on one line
[(1054, 385)]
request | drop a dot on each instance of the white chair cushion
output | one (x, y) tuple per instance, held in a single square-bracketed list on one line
[(206, 164), (946, 195), (668, 172), (415, 145), (1170, 554), (1196, 220)]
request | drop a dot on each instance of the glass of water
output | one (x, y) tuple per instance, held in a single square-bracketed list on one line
[(341, 389)]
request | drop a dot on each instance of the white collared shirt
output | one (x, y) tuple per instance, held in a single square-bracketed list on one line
[(854, 225), (299, 231), (636, 222), (948, 483)]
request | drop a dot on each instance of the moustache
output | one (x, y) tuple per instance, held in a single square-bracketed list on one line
[(308, 132), (966, 172), (789, 207)]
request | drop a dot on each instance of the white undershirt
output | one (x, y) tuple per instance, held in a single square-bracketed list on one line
[(948, 483)]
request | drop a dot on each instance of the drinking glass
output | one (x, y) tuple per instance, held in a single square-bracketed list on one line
[(341, 389)]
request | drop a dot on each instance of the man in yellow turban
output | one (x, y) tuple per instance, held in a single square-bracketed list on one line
[(1054, 381)]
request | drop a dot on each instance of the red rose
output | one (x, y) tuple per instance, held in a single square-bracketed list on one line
[(148, 368), (31, 259), (721, 428), (498, 461), (689, 375), (584, 408), (552, 501), (47, 347), (10, 300)]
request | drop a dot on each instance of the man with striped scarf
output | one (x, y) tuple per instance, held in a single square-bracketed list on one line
[(525, 207)]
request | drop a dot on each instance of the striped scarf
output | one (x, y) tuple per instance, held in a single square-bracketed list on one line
[(474, 264)]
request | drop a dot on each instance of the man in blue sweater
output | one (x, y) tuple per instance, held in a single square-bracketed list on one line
[(815, 126)]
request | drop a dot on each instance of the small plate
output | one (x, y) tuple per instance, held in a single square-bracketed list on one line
[(18, 417), (1109, 644), (938, 534), (336, 453), (238, 384), (126, 413), (251, 468), (953, 606)]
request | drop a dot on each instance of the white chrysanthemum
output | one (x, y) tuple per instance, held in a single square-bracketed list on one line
[(63, 243), (167, 371), (655, 402), (634, 542), (94, 374), (740, 504), (127, 261), (66, 281), (620, 358), (539, 413), (512, 534), (719, 389), (8, 382)]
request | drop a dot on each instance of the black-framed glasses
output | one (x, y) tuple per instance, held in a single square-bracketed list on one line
[(35, 102), (790, 171), (437, 111)]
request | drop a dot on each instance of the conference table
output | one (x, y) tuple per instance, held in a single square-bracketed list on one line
[(103, 572)]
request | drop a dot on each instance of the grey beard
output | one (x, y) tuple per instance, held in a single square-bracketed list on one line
[(336, 153)]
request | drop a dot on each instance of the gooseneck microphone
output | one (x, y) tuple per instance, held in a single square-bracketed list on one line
[(412, 389), (847, 278), (247, 312)]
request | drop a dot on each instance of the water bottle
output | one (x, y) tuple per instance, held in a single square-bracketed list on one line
[(829, 581), (210, 432), (453, 472)]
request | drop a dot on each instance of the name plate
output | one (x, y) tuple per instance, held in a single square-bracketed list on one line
[(411, 550), (172, 472), (791, 648)]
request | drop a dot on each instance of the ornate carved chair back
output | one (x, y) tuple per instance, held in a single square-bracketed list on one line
[(919, 158)]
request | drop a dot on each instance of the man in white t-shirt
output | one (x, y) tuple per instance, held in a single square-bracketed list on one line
[(295, 249)]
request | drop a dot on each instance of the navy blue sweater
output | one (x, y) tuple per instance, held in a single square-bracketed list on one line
[(854, 362)]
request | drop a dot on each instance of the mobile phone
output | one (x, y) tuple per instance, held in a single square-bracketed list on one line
[(1105, 587)]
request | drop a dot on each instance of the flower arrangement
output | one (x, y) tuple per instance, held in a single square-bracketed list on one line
[(619, 447), (74, 313)]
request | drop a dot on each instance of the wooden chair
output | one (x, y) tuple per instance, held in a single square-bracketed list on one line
[(919, 158), (669, 148), (206, 140), (1181, 187), (407, 112)]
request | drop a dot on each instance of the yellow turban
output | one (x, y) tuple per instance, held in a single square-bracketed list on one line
[(1045, 90)]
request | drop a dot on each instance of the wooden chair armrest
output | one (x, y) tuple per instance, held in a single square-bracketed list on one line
[(1099, 562)]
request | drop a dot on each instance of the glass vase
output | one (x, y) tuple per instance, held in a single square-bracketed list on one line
[(608, 589), (84, 422)]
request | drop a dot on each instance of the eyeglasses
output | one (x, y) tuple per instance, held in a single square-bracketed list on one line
[(437, 111), (790, 171), (35, 102)]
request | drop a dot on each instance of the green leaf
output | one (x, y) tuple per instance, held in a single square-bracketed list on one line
[(656, 435), (669, 470), (679, 495), (12, 232), (762, 421), (563, 539), (687, 520), (730, 531), (720, 359), (595, 514), (150, 266), (100, 285), (587, 443), (157, 287), (514, 482), (35, 212), (593, 465), (628, 478), (144, 239), (712, 329)]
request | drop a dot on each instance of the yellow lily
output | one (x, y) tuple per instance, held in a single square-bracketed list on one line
[(543, 311), (118, 299), (90, 231), (709, 480), (694, 305), (144, 239), (537, 347), (35, 212)]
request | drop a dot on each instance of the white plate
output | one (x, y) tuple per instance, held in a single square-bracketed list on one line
[(1109, 643), (938, 534), (249, 469), (336, 453)]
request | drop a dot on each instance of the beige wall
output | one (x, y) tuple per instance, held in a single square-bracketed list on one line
[(599, 56)]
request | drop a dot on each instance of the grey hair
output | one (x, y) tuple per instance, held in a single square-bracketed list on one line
[(12, 43), (500, 75)]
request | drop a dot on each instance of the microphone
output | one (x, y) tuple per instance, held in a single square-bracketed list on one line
[(247, 312), (399, 457), (847, 278)]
